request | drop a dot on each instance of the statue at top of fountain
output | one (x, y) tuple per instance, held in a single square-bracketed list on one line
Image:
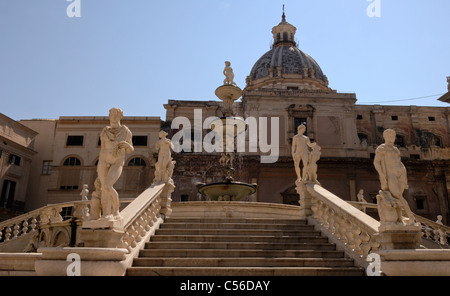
[(229, 91), (229, 75)]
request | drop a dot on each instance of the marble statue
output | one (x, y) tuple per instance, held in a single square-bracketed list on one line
[(300, 151), (116, 142), (165, 165), (84, 197), (311, 167), (448, 82), (84, 192), (360, 196), (393, 179), (229, 74)]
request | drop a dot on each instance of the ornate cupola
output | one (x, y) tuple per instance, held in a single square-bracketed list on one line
[(284, 33), (284, 66)]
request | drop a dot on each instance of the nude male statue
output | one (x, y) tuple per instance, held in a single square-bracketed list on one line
[(300, 151), (392, 172), (116, 141), (229, 74)]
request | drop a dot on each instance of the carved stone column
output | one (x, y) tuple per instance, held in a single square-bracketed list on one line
[(166, 199), (305, 200)]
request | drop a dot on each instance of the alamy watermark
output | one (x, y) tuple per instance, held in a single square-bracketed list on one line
[(189, 138), (74, 268), (74, 8), (374, 8), (374, 268)]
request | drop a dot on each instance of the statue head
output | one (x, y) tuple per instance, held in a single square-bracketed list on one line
[(115, 114), (227, 63), (162, 134), (301, 129), (389, 136)]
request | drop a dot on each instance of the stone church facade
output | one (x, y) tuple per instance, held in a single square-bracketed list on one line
[(285, 84)]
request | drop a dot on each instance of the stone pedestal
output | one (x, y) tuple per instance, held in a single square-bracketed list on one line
[(101, 238), (395, 236), (304, 201), (88, 262)]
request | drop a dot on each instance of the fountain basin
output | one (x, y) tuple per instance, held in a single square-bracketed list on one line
[(227, 191)]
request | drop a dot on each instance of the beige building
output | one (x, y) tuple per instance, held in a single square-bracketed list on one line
[(16, 153), (68, 153)]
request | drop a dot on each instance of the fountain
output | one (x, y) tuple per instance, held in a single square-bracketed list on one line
[(231, 126)]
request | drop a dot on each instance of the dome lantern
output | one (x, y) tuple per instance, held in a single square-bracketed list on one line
[(284, 33)]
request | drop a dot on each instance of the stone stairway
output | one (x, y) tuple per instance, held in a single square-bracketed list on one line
[(240, 247)]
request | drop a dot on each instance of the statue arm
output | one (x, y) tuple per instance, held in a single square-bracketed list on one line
[(128, 143), (379, 167)]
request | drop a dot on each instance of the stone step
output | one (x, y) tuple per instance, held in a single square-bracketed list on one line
[(309, 231), (245, 271), (237, 220), (241, 245), (190, 225), (235, 253), (243, 262), (240, 238)]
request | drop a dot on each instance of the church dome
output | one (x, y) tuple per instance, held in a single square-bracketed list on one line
[(286, 66), (291, 60)]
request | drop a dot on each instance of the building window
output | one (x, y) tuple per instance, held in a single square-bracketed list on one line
[(14, 159), (394, 117), (363, 139), (400, 141), (184, 197), (300, 121), (421, 203), (137, 161), (75, 141), (70, 176), (359, 117), (140, 140), (431, 118), (7, 196), (47, 167), (72, 161), (414, 156)]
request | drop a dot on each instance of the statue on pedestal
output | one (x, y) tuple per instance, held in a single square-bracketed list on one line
[(393, 179), (300, 152), (116, 141), (229, 74), (165, 165)]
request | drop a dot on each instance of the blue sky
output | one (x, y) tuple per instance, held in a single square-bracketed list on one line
[(137, 54)]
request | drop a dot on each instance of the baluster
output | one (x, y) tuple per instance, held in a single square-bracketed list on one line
[(326, 215), (24, 227), (365, 244), (1, 234), (33, 224), (339, 227), (331, 219), (158, 207), (155, 212), (16, 230), (7, 233)]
